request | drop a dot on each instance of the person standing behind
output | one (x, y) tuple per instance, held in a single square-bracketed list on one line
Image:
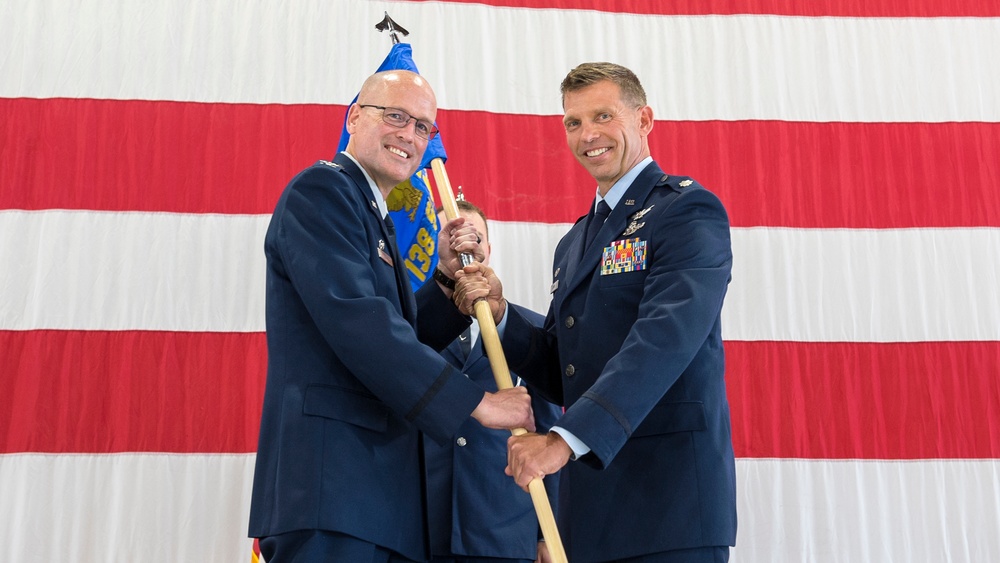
[(351, 381), (475, 514), (632, 345)]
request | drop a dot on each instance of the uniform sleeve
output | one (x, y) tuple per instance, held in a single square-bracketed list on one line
[(532, 353)]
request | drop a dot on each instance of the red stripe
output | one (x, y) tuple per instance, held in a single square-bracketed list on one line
[(157, 156), (855, 8), (772, 173), (922, 400), (100, 392), (236, 158)]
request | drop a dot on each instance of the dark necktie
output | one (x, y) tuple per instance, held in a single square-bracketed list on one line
[(402, 281), (466, 341), (392, 230), (596, 222)]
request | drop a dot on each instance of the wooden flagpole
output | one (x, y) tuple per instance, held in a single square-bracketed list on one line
[(501, 373)]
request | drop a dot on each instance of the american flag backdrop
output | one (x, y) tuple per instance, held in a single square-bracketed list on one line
[(855, 144)]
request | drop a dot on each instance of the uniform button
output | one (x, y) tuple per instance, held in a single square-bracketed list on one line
[(570, 321), (461, 441), (570, 370)]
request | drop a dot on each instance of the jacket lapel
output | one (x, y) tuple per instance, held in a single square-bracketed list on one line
[(453, 353), (477, 366), (476, 354), (615, 224), (568, 262), (407, 300)]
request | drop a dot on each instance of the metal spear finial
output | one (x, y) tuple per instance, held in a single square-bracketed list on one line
[(392, 27)]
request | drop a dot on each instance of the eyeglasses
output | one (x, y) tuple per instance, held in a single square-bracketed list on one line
[(399, 118)]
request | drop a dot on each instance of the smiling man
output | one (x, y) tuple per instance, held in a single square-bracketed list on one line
[(632, 346), (352, 379)]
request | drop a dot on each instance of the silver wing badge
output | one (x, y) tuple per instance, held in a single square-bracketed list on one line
[(633, 227), (634, 224), (640, 214)]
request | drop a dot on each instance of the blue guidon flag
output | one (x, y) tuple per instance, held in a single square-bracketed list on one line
[(410, 203)]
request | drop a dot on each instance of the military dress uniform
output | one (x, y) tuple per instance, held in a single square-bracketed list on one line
[(350, 381), (632, 345)]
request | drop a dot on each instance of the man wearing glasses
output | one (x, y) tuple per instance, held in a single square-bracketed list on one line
[(352, 378)]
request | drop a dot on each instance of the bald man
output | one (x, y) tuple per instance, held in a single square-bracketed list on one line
[(352, 379)]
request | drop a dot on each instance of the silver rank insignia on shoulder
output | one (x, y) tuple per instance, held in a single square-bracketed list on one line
[(686, 183), (330, 164)]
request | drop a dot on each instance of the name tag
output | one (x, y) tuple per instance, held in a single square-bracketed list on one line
[(384, 255)]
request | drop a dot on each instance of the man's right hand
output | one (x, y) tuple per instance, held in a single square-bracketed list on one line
[(477, 281), (457, 237), (506, 409), (535, 455)]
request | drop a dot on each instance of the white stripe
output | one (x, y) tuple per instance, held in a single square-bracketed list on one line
[(162, 271), (134, 507), (118, 271), (125, 507), (928, 511), (522, 257), (851, 285), (504, 59)]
